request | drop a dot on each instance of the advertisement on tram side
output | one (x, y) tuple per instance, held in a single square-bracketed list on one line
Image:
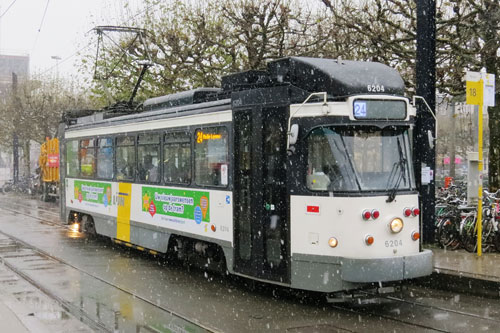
[(93, 192), (175, 204)]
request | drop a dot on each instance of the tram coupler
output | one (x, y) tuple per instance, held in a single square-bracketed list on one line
[(345, 296), (359, 294), (389, 288)]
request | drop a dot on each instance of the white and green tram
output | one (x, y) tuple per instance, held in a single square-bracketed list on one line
[(298, 175)]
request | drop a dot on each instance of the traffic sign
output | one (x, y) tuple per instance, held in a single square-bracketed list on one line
[(474, 94), (489, 89), (480, 88)]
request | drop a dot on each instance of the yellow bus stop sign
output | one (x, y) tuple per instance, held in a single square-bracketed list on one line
[(474, 94)]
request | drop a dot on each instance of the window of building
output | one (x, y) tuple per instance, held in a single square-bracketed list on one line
[(211, 156), (148, 150), (72, 158), (87, 157), (177, 158), (125, 158), (105, 158)]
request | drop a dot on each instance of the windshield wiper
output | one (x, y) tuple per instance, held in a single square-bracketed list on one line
[(341, 147), (401, 175), (348, 157)]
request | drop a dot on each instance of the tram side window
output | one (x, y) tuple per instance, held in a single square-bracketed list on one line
[(149, 158), (211, 156), (125, 158), (72, 158), (105, 158), (87, 157), (177, 158)]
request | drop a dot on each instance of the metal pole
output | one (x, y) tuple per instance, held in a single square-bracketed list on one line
[(15, 139), (452, 140), (15, 153), (480, 172), (426, 86)]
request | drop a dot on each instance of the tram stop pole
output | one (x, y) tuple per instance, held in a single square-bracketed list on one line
[(480, 91), (425, 125)]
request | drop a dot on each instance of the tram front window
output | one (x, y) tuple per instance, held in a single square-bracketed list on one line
[(347, 159)]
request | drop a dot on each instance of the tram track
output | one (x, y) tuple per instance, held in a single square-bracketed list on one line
[(349, 308), (440, 308), (49, 212), (70, 307), (373, 314), (26, 198)]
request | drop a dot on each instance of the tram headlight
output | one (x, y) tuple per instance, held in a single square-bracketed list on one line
[(333, 242), (396, 225)]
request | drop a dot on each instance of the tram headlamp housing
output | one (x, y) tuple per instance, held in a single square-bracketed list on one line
[(396, 225)]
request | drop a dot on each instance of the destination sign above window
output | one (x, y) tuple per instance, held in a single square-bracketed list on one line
[(379, 109)]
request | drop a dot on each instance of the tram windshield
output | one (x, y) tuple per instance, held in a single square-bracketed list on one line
[(359, 159)]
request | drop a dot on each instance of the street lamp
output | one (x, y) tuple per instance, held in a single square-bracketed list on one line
[(57, 59)]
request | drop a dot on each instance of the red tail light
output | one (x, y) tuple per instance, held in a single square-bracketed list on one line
[(415, 211), (407, 212), (367, 214), (375, 214)]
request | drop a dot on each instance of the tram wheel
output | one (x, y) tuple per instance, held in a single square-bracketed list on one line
[(88, 226)]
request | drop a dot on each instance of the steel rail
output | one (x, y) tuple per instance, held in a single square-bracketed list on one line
[(40, 251)]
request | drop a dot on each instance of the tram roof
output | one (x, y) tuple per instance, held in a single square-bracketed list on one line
[(194, 96), (338, 78)]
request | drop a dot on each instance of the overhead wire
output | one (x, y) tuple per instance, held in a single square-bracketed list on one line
[(65, 59), (40, 27), (90, 43), (5, 12), (43, 17)]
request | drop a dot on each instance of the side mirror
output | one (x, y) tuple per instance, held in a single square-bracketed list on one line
[(293, 134), (430, 138)]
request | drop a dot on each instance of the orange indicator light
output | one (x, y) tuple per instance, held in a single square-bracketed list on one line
[(333, 242)]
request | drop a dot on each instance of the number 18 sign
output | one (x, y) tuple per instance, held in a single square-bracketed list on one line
[(480, 88)]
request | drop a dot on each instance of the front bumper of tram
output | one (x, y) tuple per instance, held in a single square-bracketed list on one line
[(337, 245), (358, 270)]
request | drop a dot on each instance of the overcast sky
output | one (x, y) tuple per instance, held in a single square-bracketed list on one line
[(62, 31)]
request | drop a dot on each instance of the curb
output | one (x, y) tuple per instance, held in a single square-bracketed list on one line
[(460, 283)]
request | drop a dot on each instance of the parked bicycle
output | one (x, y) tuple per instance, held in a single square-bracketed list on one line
[(490, 228)]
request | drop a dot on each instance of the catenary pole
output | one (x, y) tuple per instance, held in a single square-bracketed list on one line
[(424, 152)]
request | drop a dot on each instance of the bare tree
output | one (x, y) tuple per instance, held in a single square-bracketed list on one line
[(34, 111)]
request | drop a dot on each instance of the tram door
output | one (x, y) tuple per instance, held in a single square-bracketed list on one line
[(261, 228)]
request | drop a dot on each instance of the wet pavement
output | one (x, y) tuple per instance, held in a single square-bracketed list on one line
[(465, 264), (126, 290), (91, 299), (25, 308)]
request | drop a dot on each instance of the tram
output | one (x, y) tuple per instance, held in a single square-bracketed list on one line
[(298, 175)]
